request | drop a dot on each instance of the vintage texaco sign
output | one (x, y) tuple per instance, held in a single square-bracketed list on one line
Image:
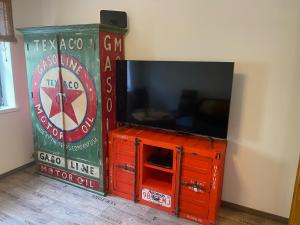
[(64, 97)]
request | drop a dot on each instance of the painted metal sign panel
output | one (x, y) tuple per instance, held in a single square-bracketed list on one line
[(51, 159), (64, 97), (66, 176), (156, 197), (92, 171), (63, 68), (112, 49)]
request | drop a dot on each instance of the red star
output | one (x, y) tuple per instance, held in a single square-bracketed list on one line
[(66, 97)]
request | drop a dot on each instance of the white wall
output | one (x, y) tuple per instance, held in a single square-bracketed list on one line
[(261, 37), (16, 144)]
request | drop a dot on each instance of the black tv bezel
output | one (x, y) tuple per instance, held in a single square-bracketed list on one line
[(137, 125)]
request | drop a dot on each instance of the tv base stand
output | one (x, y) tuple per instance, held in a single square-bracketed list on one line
[(176, 173)]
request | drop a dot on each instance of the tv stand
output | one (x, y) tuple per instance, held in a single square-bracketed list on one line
[(176, 173)]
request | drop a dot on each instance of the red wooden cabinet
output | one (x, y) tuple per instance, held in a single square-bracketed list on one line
[(176, 173), (122, 163)]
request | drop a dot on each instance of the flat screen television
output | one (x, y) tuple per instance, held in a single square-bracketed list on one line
[(189, 97)]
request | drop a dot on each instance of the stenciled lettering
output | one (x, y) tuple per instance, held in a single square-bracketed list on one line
[(63, 43), (50, 158)]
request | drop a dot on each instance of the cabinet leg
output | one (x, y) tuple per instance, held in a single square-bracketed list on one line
[(179, 152), (136, 145)]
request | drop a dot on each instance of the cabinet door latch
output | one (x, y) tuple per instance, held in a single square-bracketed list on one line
[(194, 185), (126, 167)]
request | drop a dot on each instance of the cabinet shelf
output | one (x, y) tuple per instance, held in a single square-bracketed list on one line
[(159, 185), (149, 165), (158, 166), (157, 180)]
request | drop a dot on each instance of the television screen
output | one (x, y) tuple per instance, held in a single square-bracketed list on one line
[(190, 97)]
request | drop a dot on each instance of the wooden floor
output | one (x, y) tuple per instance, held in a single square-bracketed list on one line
[(28, 198)]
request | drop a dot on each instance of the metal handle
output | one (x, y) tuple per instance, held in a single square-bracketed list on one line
[(126, 167), (195, 185)]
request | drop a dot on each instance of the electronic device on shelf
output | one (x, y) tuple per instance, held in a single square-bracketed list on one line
[(113, 18), (157, 160), (189, 97)]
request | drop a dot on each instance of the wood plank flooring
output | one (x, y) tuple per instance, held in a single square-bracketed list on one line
[(29, 198)]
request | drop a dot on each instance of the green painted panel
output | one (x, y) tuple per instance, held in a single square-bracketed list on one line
[(87, 150), (34, 53), (65, 99), (63, 68)]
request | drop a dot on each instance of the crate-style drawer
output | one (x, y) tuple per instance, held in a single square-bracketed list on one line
[(193, 208), (196, 162), (123, 151), (123, 181), (199, 196), (196, 180)]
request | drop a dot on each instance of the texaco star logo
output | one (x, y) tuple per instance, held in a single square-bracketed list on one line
[(64, 99)]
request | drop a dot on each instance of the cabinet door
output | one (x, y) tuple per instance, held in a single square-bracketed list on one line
[(45, 95), (79, 74), (122, 168), (195, 186)]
